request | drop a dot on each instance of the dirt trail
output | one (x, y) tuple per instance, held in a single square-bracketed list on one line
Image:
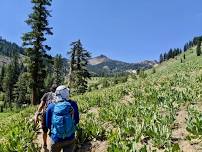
[(92, 146), (180, 133), (39, 141)]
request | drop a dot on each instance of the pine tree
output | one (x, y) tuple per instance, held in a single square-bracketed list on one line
[(35, 47), (165, 56), (190, 44), (22, 91), (196, 39), (161, 58), (186, 47), (174, 52), (16, 66), (48, 82), (198, 48), (170, 54), (11, 75), (2, 74), (184, 56), (177, 51), (8, 85), (58, 67), (78, 73)]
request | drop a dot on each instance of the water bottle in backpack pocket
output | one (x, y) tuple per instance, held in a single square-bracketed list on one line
[(63, 125)]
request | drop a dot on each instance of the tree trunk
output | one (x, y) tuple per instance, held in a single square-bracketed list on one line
[(1, 109), (34, 95)]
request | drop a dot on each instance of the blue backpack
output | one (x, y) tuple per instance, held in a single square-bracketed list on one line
[(63, 125)]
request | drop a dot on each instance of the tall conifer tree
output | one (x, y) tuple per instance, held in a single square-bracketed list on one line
[(78, 72), (35, 47)]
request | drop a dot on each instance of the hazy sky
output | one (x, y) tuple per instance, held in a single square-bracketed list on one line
[(128, 30)]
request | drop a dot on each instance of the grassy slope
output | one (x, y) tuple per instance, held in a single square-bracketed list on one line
[(143, 110), (17, 131), (132, 112)]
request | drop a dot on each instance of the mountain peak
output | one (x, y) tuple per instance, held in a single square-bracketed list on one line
[(98, 60), (102, 56)]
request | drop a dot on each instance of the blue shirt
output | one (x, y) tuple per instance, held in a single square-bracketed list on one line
[(49, 114)]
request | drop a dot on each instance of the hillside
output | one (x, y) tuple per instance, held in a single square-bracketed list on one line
[(8, 48), (103, 65), (161, 100), (4, 60), (98, 66), (161, 112)]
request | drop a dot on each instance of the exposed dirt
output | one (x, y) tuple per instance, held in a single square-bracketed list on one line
[(94, 146), (39, 141), (94, 110), (99, 146), (108, 126), (180, 124), (180, 133), (127, 99), (199, 105)]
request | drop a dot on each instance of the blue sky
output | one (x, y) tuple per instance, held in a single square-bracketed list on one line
[(127, 30)]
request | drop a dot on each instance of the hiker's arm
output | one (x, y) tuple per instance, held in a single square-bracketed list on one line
[(49, 116), (43, 103), (41, 106)]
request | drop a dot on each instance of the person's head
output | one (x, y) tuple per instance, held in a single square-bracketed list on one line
[(53, 87), (62, 92)]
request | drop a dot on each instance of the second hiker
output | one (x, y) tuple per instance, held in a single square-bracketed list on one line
[(47, 98)]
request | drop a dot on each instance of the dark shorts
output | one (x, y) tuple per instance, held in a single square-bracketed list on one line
[(66, 146), (43, 123)]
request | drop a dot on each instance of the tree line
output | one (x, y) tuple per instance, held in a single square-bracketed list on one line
[(9, 49), (176, 51)]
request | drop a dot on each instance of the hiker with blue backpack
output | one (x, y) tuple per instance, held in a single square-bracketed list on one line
[(61, 119)]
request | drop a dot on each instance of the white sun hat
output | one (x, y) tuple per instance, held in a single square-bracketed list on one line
[(62, 92)]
